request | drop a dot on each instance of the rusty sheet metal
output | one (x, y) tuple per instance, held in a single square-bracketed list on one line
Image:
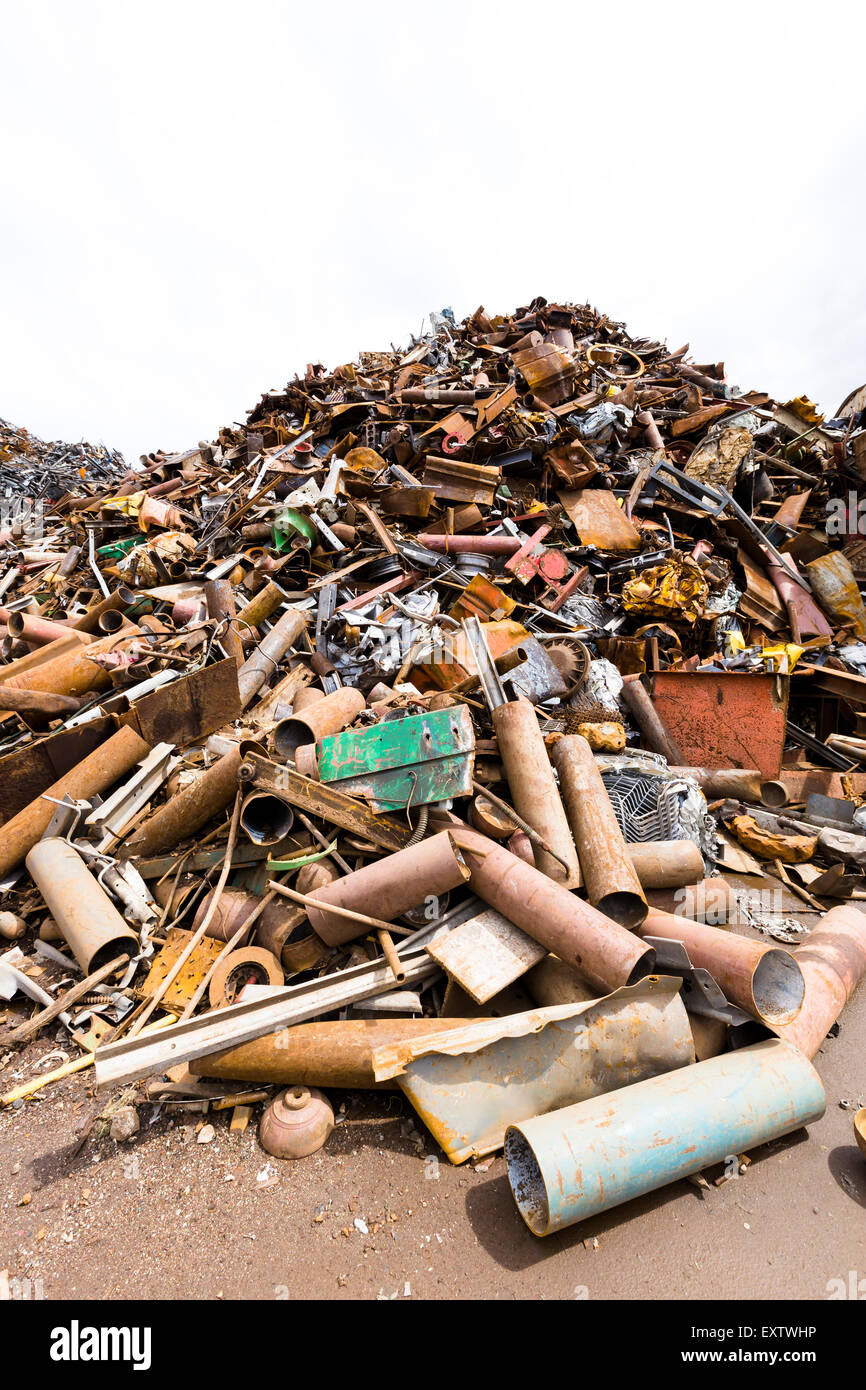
[(485, 954), (29, 771), (725, 718), (599, 520), (189, 708), (453, 481), (182, 989), (400, 762), (468, 1086)]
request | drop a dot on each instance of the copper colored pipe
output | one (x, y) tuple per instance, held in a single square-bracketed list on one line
[(320, 1054), (764, 980), (713, 901), (479, 545), (36, 701), (220, 600), (667, 863), (73, 672), (654, 731), (534, 793), (326, 716), (85, 914), (600, 950), (262, 605), (389, 887), (612, 884), (187, 812), (95, 773), (122, 598), (833, 961), (34, 630)]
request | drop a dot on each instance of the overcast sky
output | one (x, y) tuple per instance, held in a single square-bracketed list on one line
[(199, 198)]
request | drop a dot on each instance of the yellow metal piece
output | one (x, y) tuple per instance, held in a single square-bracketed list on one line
[(184, 987)]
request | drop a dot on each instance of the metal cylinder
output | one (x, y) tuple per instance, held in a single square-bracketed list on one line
[(220, 600), (476, 545), (667, 863), (187, 812), (80, 906), (833, 961), (649, 721), (306, 696), (73, 672), (742, 783), (534, 793), (266, 819), (321, 1054), (95, 773), (573, 1163), (326, 716), (713, 901), (260, 665), (604, 953), (764, 980), (612, 884), (389, 887), (36, 631), (113, 620), (262, 604), (551, 981), (233, 908), (123, 599), (36, 701)]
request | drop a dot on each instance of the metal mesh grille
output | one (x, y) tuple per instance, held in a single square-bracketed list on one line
[(647, 808)]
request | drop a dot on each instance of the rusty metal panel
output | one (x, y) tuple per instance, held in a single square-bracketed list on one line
[(190, 708), (725, 718), (31, 770), (599, 520), (469, 1085)]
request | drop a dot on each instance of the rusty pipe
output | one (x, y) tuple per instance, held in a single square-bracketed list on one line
[(123, 598), (389, 887), (191, 809), (266, 819), (73, 672), (833, 961), (612, 884), (263, 661), (649, 721), (712, 900), (478, 545), (321, 1054), (326, 716), (602, 951), (220, 601), (36, 701), (667, 863), (764, 980), (34, 630), (232, 909), (95, 773), (534, 793), (262, 604), (86, 916), (716, 783)]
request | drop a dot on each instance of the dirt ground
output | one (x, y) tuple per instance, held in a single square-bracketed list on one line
[(380, 1213)]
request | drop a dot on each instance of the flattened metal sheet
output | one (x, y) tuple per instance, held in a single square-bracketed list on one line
[(599, 520)]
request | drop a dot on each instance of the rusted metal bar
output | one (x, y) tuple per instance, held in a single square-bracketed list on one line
[(763, 980), (612, 883), (36, 701), (262, 663), (318, 799), (390, 886), (220, 600), (80, 906), (187, 812), (93, 774), (573, 1163), (655, 734), (533, 787), (600, 950)]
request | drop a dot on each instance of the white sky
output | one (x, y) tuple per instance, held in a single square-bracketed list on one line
[(199, 198)]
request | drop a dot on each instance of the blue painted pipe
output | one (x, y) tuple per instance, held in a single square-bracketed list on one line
[(573, 1163)]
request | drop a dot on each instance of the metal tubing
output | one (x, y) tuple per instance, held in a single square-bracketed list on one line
[(533, 788), (95, 773), (321, 1054), (122, 598), (742, 783), (34, 630), (713, 900), (191, 809), (612, 884), (220, 599), (36, 701), (263, 661), (80, 906), (600, 950), (389, 887), (833, 961), (262, 604), (573, 1163), (73, 672), (650, 723), (266, 819), (476, 545), (327, 716), (232, 909), (667, 863), (764, 980)]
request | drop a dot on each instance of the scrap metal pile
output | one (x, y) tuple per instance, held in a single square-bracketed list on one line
[(484, 719)]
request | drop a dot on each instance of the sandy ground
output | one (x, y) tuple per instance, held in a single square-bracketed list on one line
[(166, 1217)]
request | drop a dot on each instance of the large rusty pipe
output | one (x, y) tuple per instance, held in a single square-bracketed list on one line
[(764, 980), (389, 887), (321, 1054), (262, 663), (534, 793), (36, 701), (262, 604), (716, 783), (35, 631), (74, 672), (266, 819), (713, 901), (612, 884), (667, 863), (649, 721), (191, 809), (324, 717), (220, 599), (602, 951), (86, 916), (833, 961), (232, 909), (123, 599), (573, 1163), (94, 774)]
